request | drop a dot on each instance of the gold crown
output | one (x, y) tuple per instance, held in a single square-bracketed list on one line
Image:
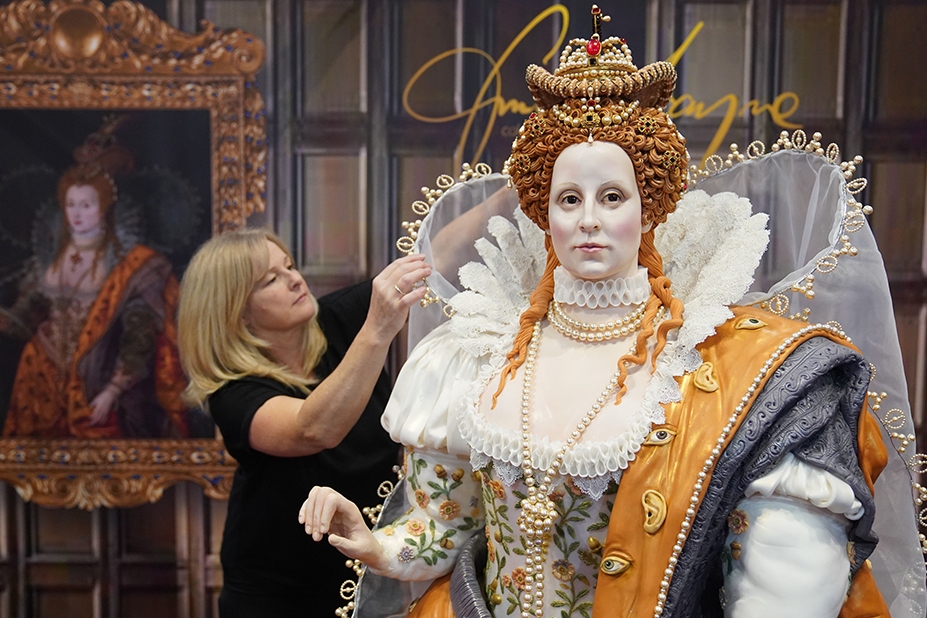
[(592, 58), (596, 68)]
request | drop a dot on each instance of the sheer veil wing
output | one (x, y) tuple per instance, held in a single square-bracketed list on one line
[(487, 256)]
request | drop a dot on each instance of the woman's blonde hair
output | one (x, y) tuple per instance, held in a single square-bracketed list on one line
[(215, 344)]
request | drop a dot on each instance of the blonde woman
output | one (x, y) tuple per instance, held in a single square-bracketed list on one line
[(296, 386)]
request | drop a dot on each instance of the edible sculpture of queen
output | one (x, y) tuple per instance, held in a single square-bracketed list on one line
[(620, 448)]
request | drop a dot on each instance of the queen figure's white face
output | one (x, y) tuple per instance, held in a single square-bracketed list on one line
[(82, 208), (595, 211)]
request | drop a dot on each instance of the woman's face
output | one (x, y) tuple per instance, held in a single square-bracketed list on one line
[(595, 211), (280, 300), (82, 208)]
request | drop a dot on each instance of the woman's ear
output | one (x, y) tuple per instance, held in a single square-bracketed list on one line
[(646, 227)]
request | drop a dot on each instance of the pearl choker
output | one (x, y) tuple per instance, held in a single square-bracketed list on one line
[(569, 290), (584, 331), (538, 510)]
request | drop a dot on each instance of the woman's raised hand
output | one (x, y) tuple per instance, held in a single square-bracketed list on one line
[(326, 511), (394, 292)]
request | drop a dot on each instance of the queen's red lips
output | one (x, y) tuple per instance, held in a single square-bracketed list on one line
[(590, 247)]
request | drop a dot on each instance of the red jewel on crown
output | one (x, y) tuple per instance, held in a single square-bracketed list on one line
[(593, 47)]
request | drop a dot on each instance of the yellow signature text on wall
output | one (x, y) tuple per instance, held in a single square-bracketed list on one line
[(782, 107), (500, 106)]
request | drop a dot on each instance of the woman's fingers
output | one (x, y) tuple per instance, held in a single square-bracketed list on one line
[(391, 268), (409, 277)]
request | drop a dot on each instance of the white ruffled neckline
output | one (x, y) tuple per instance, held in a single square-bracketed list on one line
[(614, 292), (716, 276), (586, 459)]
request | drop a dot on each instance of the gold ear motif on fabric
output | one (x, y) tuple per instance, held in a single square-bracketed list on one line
[(705, 378), (659, 437), (654, 511), (750, 324), (614, 564)]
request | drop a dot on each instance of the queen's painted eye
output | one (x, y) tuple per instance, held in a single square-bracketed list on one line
[(750, 324), (659, 437), (613, 197)]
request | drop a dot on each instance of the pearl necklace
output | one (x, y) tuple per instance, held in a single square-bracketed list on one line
[(538, 510), (583, 331)]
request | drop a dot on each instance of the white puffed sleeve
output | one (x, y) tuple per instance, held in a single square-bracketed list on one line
[(447, 509), (786, 552), (430, 388)]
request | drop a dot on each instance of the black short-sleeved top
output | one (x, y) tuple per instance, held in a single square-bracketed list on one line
[(265, 550)]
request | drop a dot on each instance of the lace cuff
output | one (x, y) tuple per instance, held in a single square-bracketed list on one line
[(796, 479), (422, 410), (447, 510)]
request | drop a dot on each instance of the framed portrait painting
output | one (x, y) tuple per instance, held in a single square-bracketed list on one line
[(124, 145)]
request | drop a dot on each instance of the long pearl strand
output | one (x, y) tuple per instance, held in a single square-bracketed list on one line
[(538, 510)]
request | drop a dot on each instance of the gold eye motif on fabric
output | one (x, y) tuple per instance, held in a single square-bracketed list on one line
[(659, 437), (615, 565), (750, 324), (705, 378)]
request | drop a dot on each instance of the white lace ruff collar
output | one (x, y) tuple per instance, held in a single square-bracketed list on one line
[(616, 292)]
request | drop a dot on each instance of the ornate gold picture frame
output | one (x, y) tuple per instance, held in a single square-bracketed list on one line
[(179, 102)]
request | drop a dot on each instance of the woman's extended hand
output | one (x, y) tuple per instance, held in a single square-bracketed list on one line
[(326, 511), (393, 293), (102, 406)]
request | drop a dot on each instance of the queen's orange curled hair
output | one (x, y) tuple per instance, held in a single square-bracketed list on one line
[(658, 153)]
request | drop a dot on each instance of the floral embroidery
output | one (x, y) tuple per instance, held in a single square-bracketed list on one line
[(518, 578), (506, 581), (432, 490), (424, 547), (491, 550), (497, 489), (563, 570), (738, 521), (415, 527), (449, 510)]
